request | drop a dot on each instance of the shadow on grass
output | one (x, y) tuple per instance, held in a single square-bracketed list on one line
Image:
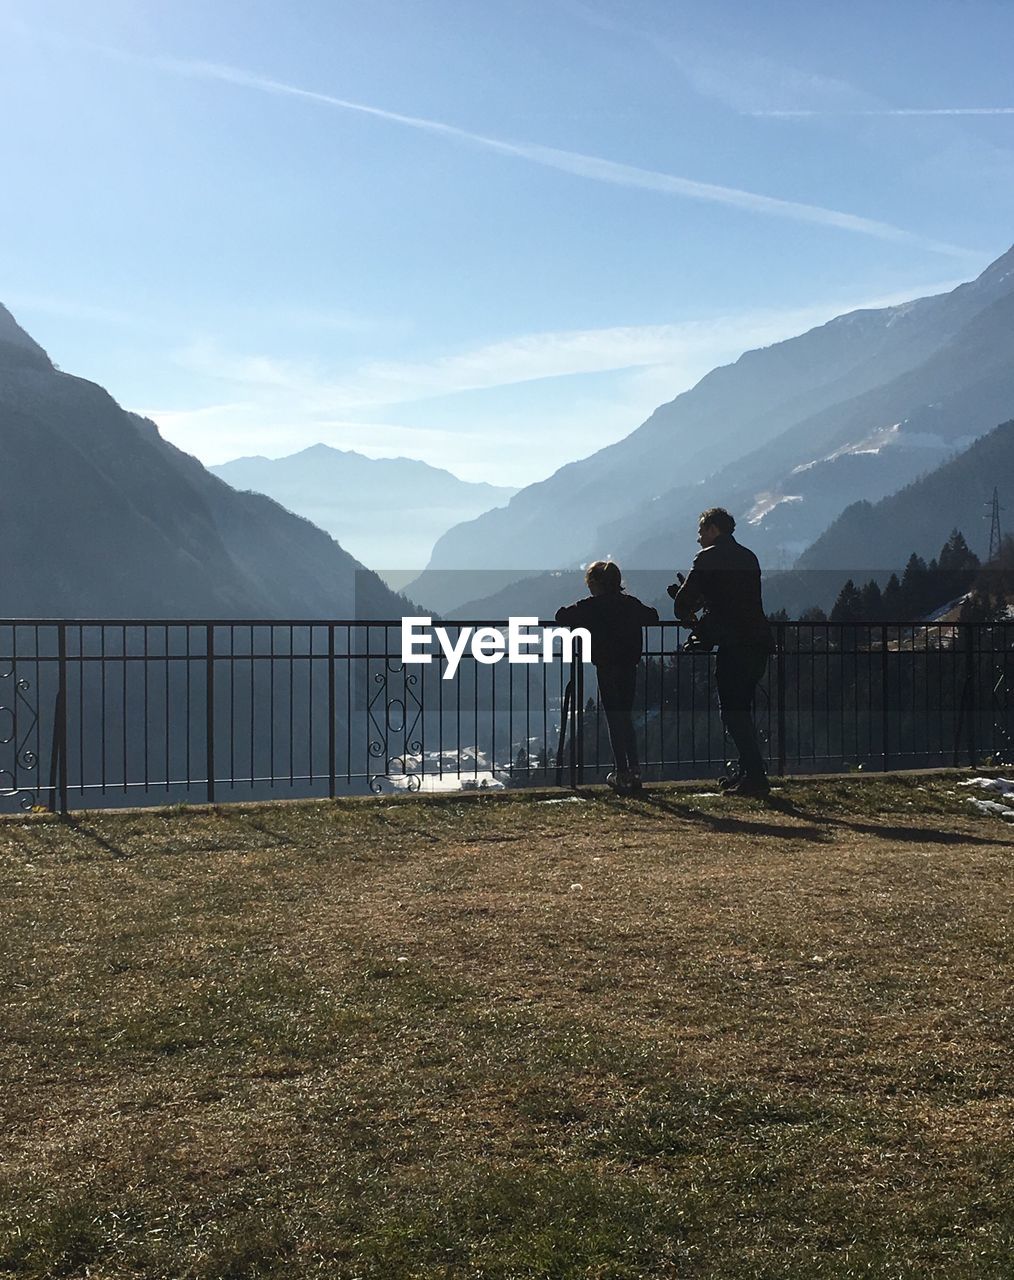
[(728, 824), (819, 828), (248, 822), (884, 831), (82, 829), (404, 829)]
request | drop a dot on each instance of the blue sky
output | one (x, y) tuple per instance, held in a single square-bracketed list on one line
[(492, 234)]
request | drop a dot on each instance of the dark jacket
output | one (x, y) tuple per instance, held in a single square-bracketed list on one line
[(725, 582), (614, 622)]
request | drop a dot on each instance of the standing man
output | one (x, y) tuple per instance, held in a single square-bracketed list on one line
[(725, 582)]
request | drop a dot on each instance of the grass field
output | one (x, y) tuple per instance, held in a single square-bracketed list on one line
[(676, 1035)]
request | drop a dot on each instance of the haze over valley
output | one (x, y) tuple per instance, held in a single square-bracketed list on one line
[(388, 512)]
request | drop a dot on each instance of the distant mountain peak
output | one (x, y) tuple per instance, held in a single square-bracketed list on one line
[(324, 450), (13, 336), (354, 463)]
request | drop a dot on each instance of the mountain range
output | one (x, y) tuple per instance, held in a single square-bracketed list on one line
[(387, 512), (843, 449), (786, 437), (919, 517), (101, 517)]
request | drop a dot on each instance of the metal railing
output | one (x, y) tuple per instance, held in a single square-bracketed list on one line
[(106, 712)]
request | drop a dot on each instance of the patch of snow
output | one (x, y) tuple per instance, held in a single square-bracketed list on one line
[(993, 809), (943, 611), (766, 503), (564, 800), (871, 444), (998, 786), (433, 782), (1003, 786)]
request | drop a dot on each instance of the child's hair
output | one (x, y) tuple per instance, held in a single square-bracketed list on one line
[(603, 577)]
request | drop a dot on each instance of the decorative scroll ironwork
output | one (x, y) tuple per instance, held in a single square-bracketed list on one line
[(19, 721), (394, 711)]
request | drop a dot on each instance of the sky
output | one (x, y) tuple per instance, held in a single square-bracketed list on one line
[(490, 234)]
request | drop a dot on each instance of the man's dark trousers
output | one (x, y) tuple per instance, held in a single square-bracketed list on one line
[(738, 670)]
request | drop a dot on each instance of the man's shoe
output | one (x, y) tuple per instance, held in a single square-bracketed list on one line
[(757, 787), (730, 780), (618, 781), (634, 780)]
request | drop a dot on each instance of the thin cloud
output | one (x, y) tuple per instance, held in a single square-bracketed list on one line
[(594, 168), (525, 358), (893, 111), (746, 81), (277, 407)]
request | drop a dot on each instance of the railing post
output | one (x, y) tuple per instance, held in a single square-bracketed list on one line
[(885, 720), (209, 666), (565, 711), (331, 771), (60, 727), (579, 707), (780, 676), (970, 674), (575, 699)]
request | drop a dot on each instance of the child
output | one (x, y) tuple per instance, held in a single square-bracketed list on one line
[(614, 621)]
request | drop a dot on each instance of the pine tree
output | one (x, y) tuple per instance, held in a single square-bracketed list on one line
[(847, 610), (958, 566), (871, 602), (956, 555), (914, 584), (890, 602), (521, 773)]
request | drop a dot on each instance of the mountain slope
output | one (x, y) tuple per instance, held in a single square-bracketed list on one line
[(388, 511), (865, 447), (101, 517), (921, 516), (735, 413)]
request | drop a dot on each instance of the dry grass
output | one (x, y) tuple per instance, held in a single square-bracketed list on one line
[(675, 1035)]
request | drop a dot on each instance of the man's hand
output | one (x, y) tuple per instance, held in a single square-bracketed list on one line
[(675, 586)]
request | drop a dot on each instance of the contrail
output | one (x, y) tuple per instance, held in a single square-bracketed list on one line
[(896, 111), (573, 162)]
